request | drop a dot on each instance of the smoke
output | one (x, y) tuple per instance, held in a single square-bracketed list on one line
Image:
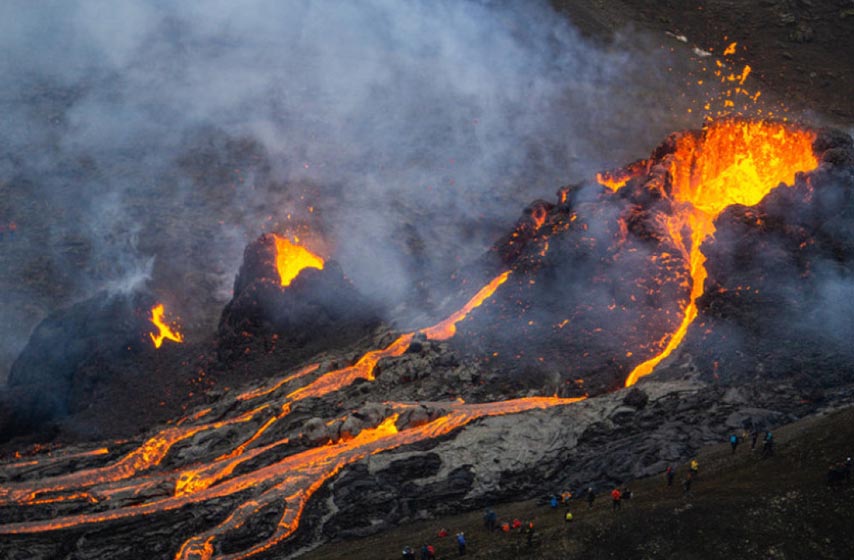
[(402, 136)]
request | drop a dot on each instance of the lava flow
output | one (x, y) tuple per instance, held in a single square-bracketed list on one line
[(728, 162), (165, 332), (291, 259), (132, 485)]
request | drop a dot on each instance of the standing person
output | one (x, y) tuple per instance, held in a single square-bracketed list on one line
[(529, 532), (490, 519), (567, 518), (461, 543), (408, 553), (553, 502), (616, 496), (591, 495), (670, 474), (733, 442), (695, 468), (768, 445), (754, 436)]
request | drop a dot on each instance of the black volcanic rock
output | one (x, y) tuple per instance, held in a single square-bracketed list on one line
[(320, 309), (41, 382)]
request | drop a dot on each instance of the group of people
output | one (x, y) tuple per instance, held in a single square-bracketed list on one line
[(428, 551)]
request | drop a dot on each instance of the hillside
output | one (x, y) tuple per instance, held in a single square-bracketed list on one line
[(741, 506)]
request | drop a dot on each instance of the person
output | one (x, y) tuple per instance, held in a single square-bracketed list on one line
[(591, 495), (670, 474), (408, 553), (616, 496), (695, 468), (461, 543), (567, 518), (553, 502), (425, 553), (529, 532), (733, 442), (626, 494), (565, 497), (517, 524), (442, 533), (505, 527), (753, 438), (768, 445), (490, 519), (431, 552)]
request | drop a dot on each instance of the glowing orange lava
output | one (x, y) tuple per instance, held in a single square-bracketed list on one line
[(133, 484), (729, 162), (164, 331), (291, 259)]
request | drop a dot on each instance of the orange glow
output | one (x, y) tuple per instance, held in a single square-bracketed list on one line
[(291, 259), (164, 330), (730, 49), (293, 479), (448, 328), (729, 162)]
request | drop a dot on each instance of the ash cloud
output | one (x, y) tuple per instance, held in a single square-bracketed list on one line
[(416, 131)]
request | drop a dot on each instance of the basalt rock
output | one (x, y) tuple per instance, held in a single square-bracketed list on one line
[(319, 310)]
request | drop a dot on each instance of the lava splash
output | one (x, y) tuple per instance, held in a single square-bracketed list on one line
[(728, 162), (291, 259)]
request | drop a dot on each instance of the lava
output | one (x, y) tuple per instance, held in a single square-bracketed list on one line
[(291, 259), (132, 485), (728, 162), (165, 332)]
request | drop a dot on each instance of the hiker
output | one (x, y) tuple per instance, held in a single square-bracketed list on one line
[(553, 502), (616, 496), (516, 524), (753, 438), (505, 527), (695, 468), (768, 445), (565, 496), (442, 533), (529, 532), (670, 474), (425, 553), (461, 543), (686, 485), (626, 494), (733, 442), (408, 553), (591, 495), (567, 518), (490, 519)]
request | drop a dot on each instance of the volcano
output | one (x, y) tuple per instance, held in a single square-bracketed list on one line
[(703, 276)]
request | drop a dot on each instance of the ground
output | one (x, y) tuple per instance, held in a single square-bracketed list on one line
[(742, 506)]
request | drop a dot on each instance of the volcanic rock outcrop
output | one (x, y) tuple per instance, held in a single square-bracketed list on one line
[(319, 309), (52, 369)]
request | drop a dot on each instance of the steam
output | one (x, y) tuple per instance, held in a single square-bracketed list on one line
[(156, 139)]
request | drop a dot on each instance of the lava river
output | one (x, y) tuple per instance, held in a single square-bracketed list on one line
[(117, 490)]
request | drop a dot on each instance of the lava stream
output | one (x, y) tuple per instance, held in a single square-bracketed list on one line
[(729, 162), (164, 331)]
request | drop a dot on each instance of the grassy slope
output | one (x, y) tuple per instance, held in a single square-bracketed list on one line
[(741, 507)]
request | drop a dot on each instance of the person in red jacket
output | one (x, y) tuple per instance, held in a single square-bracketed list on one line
[(616, 498)]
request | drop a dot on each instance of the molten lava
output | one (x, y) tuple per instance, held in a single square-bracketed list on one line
[(132, 484), (729, 162), (291, 259), (165, 332)]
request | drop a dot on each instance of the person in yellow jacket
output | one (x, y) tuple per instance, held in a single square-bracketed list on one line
[(695, 468)]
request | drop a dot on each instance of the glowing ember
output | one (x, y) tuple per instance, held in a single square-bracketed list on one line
[(730, 162), (291, 259), (164, 331)]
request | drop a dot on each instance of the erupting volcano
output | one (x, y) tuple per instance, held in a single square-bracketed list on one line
[(728, 162), (256, 457)]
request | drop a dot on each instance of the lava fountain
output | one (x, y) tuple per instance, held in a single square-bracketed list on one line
[(292, 258), (728, 162), (164, 330)]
